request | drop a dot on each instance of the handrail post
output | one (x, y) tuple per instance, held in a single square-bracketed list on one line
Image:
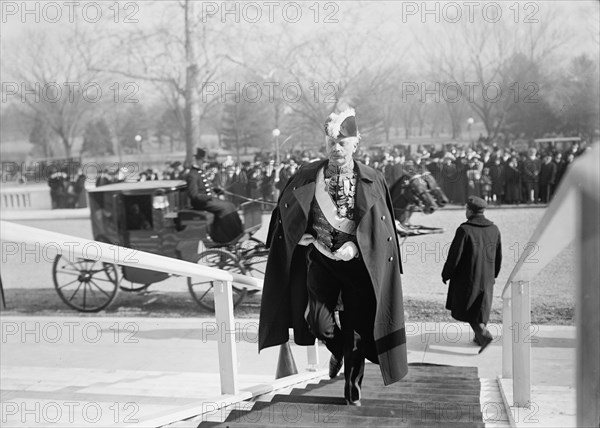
[(507, 338), (521, 361), (312, 355), (587, 363), (226, 343)]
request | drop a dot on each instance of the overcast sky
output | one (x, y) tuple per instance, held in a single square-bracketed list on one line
[(400, 18)]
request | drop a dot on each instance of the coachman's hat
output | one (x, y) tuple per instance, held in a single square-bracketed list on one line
[(342, 125), (476, 204), (200, 153)]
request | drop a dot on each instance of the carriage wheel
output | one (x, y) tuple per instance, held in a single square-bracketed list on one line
[(254, 259), (83, 284), (133, 286), (202, 290)]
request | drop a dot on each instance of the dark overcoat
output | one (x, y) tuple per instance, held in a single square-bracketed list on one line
[(472, 265), (284, 297)]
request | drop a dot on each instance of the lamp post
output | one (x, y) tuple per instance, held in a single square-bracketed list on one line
[(276, 134), (470, 122), (138, 140)]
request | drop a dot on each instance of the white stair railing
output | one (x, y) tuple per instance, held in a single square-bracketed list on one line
[(573, 214), (73, 247)]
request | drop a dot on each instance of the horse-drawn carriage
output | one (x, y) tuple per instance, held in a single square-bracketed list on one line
[(152, 216)]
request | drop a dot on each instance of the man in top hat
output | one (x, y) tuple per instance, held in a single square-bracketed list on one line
[(227, 224), (472, 265), (333, 271)]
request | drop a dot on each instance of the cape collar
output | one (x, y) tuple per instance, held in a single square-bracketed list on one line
[(479, 220)]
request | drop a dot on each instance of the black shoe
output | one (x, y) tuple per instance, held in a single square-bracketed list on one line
[(486, 342), (353, 403), (335, 364)]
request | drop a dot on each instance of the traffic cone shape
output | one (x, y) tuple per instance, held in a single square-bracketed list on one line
[(285, 365)]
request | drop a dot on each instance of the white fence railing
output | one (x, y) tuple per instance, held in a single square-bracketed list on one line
[(573, 214), (78, 247)]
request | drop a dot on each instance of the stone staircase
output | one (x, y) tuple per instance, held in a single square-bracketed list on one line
[(429, 396)]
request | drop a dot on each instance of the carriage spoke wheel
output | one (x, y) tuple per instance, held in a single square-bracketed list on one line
[(83, 284), (253, 254), (130, 287), (202, 290)]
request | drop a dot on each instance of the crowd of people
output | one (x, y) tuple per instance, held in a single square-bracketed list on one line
[(499, 176), (66, 190)]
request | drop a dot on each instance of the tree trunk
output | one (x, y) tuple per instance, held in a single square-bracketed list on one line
[(66, 145), (191, 113)]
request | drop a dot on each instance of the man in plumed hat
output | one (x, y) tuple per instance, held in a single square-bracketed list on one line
[(472, 266), (333, 271), (227, 224)]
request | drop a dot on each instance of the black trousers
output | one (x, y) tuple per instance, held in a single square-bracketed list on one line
[(227, 224), (478, 325), (326, 278)]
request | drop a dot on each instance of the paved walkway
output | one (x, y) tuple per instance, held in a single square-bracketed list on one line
[(87, 371)]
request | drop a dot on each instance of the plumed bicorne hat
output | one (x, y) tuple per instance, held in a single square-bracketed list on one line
[(342, 125)]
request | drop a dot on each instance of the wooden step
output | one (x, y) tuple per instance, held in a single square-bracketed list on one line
[(409, 401), (291, 414), (429, 396), (470, 387), (428, 368), (375, 391), (376, 378), (363, 423), (377, 394), (422, 413)]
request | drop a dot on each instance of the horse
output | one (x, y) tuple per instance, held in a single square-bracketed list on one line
[(416, 193), (434, 189)]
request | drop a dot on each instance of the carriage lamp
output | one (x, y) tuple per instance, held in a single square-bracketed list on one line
[(160, 202)]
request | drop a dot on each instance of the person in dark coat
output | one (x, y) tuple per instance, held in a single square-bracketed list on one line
[(227, 224), (58, 182), (472, 265), (269, 191), (512, 176), (334, 249), (498, 176), (560, 169), (530, 176), (547, 178)]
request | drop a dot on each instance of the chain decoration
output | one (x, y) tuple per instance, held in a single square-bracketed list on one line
[(341, 186)]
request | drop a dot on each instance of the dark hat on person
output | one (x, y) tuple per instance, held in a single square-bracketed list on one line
[(342, 125), (476, 204), (200, 153)]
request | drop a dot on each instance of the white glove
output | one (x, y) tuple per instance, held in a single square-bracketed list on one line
[(347, 251), (306, 239)]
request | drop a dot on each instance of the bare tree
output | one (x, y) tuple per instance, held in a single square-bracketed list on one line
[(476, 57), (181, 61), (54, 82)]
